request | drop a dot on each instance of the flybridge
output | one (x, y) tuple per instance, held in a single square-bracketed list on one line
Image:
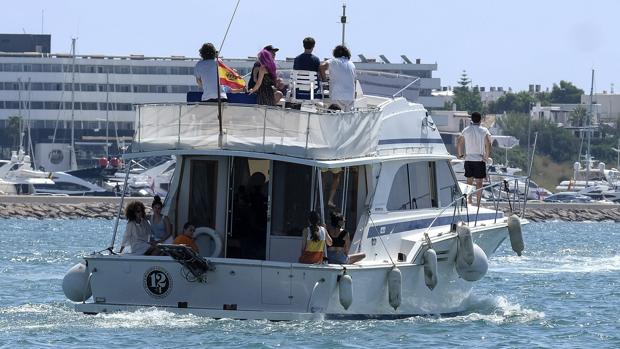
[(288, 132)]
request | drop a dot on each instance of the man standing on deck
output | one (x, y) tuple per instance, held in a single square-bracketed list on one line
[(477, 141)]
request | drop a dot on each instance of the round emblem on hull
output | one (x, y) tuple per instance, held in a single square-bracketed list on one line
[(157, 282)]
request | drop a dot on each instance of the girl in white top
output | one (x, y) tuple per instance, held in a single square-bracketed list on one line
[(138, 231)]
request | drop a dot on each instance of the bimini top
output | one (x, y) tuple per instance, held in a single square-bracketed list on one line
[(376, 126)]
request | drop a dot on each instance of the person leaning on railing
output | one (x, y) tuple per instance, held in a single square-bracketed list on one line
[(341, 78)]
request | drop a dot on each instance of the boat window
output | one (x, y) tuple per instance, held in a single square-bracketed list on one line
[(413, 187), (68, 186), (291, 192), (448, 187), (202, 197)]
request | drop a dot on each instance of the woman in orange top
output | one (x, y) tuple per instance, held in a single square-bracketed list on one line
[(187, 237), (314, 239)]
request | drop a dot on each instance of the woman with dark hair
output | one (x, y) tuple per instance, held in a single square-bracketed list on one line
[(138, 231), (266, 94), (338, 252), (205, 72), (314, 241), (341, 78), (160, 224)]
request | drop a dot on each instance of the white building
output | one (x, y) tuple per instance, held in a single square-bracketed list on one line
[(107, 87)]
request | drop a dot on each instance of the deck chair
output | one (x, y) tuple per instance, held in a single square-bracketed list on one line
[(304, 86)]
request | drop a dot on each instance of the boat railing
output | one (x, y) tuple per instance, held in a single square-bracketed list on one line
[(496, 194), (314, 134)]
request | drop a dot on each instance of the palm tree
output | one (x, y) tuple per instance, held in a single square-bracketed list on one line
[(578, 116)]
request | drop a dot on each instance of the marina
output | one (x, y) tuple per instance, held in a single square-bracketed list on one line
[(252, 179)]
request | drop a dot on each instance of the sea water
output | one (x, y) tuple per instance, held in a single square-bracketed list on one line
[(564, 292)]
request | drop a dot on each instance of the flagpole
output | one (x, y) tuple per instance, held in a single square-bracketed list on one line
[(219, 97)]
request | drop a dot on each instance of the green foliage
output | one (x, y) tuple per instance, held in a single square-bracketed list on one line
[(465, 97), (566, 92), (519, 103), (578, 116), (601, 149), (558, 143)]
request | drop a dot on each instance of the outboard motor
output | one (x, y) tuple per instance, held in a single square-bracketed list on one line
[(75, 284)]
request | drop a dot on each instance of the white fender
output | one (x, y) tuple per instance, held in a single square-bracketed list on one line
[(466, 244), (75, 284), (430, 268), (202, 235), (395, 281), (476, 270), (516, 236), (345, 291)]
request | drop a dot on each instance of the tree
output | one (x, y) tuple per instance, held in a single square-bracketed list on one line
[(13, 129), (465, 97), (578, 116), (518, 103), (566, 92)]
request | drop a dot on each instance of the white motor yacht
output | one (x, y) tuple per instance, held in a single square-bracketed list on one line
[(248, 184)]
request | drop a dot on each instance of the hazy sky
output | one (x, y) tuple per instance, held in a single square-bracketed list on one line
[(499, 43)]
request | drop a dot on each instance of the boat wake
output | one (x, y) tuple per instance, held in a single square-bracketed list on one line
[(556, 264)]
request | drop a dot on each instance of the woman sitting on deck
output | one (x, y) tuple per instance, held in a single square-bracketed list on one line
[(266, 94), (338, 252)]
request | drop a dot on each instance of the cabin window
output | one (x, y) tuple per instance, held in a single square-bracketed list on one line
[(291, 193), (414, 187), (448, 187), (202, 197)]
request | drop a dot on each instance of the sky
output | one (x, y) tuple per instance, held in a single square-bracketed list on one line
[(498, 42)]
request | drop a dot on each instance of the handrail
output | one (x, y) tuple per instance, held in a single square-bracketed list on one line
[(406, 87), (464, 197)]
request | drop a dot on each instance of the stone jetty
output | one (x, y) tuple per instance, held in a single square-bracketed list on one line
[(73, 207), (63, 207)]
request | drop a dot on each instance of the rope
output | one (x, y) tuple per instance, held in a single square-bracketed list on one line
[(380, 239), (228, 28)]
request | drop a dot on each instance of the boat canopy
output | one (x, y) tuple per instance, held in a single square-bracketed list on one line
[(297, 133)]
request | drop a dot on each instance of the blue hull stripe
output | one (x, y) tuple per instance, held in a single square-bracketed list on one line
[(395, 228), (411, 140)]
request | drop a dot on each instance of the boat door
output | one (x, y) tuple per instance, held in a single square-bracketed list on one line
[(247, 208)]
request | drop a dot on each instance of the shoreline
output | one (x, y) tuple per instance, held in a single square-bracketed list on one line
[(80, 207)]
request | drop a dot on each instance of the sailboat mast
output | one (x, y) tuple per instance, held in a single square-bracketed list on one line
[(107, 111), (21, 122), (72, 152), (588, 130)]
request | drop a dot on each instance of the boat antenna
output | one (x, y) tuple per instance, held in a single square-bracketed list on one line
[(343, 20)]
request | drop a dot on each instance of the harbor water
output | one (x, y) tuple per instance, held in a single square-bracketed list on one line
[(564, 292)]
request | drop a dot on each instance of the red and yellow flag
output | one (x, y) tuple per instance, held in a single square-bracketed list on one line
[(228, 76)]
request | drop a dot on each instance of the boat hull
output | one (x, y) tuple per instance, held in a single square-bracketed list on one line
[(246, 289)]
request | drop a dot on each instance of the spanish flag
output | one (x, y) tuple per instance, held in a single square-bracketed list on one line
[(228, 76)]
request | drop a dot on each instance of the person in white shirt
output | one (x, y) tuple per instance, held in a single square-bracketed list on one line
[(205, 72), (477, 142), (341, 78)]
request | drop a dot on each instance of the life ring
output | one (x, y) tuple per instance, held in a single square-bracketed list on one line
[(206, 232)]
